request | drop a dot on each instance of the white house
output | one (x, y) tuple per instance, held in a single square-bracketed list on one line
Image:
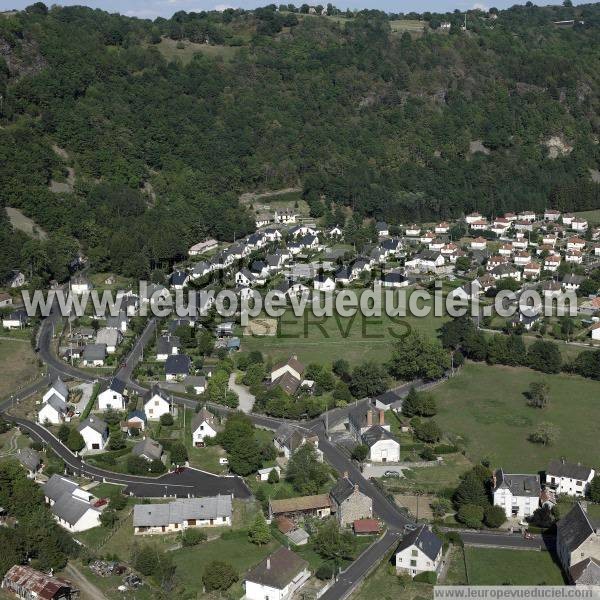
[(323, 283), (517, 494), (80, 285), (292, 366), (156, 404), (551, 215), (53, 411), (211, 511), (112, 397), (15, 320), (569, 478), (473, 217), (595, 331), (263, 474), (202, 247), (277, 577), (73, 508), (204, 425), (419, 551), (58, 388), (382, 445), (94, 432)]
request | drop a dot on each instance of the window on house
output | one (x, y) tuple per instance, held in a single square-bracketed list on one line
[(415, 553), (413, 563)]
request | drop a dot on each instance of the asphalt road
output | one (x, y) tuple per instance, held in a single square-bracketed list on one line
[(189, 483)]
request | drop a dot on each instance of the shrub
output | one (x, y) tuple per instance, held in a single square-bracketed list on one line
[(75, 441), (494, 516), (38, 446), (471, 515), (325, 571), (157, 466), (192, 537), (218, 575), (136, 465), (166, 419), (426, 577)]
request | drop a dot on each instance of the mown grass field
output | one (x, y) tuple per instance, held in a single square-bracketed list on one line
[(325, 339), (18, 365), (487, 407), (410, 25), (491, 566), (23, 223), (168, 48), (592, 216)]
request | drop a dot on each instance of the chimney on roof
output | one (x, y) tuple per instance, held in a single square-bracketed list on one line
[(381, 418), (268, 562), (345, 474), (369, 418)]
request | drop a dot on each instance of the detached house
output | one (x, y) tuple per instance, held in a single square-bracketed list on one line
[(73, 508), (94, 432), (25, 582), (53, 411), (569, 478), (205, 425), (292, 366), (323, 283), (112, 396), (349, 503), (419, 551), (382, 445), (166, 346), (58, 388), (177, 366), (517, 494), (156, 403), (148, 449), (277, 577)]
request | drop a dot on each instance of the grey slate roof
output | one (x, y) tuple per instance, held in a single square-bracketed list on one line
[(205, 415), (56, 486), (70, 509), (178, 364), (561, 468), (148, 448), (519, 484), (94, 423), (374, 434), (155, 515), (166, 343), (29, 458), (586, 572), (424, 539), (574, 528), (94, 352), (342, 490), (57, 403), (155, 391), (60, 386), (278, 569)]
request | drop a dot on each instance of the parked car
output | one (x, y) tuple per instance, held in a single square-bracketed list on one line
[(391, 474)]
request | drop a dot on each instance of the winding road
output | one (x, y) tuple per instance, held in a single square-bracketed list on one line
[(193, 482)]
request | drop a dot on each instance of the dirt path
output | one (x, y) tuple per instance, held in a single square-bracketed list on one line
[(251, 196), (88, 590)]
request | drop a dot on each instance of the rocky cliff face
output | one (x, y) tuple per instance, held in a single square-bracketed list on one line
[(22, 57)]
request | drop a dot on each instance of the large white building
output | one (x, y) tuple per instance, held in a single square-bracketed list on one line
[(277, 577), (569, 478), (517, 494), (212, 511), (419, 551)]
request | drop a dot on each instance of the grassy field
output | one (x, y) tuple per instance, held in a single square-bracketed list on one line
[(18, 365), (23, 223), (592, 216), (325, 339), (236, 550), (487, 407), (410, 25), (168, 48), (491, 566)]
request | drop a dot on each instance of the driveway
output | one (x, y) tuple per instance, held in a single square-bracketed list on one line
[(379, 470), (246, 398)]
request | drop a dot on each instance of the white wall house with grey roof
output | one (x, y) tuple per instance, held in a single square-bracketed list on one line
[(94, 432), (156, 404), (58, 388), (572, 479), (518, 494), (212, 511), (112, 396), (53, 411), (72, 507), (383, 448), (419, 551)]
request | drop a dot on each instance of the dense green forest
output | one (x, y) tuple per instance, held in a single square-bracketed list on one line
[(356, 112)]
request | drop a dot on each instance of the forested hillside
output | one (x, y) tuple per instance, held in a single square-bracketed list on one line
[(113, 148)]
